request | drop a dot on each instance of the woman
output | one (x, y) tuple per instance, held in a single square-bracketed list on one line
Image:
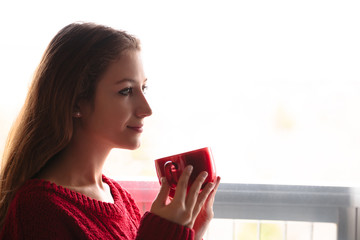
[(86, 98)]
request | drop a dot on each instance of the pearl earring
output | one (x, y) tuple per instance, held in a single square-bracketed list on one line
[(76, 114)]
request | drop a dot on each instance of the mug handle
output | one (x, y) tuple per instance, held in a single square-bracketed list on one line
[(171, 173)]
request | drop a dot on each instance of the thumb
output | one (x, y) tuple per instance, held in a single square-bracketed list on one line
[(163, 193)]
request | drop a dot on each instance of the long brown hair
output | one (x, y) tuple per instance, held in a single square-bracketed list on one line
[(69, 70)]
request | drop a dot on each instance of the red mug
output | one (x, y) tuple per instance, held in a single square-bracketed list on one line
[(172, 167)]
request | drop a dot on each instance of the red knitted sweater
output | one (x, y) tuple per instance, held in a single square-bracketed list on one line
[(44, 210)]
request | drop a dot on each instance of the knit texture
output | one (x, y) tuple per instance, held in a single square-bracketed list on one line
[(44, 210)]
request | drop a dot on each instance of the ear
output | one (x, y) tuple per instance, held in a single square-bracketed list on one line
[(76, 113), (82, 108)]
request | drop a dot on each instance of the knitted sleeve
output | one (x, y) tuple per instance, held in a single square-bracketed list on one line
[(154, 227)]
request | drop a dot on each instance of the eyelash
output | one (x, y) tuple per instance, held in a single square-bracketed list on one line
[(144, 89), (129, 90), (126, 91)]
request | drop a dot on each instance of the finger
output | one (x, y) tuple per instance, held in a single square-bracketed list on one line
[(195, 190), (208, 202), (181, 187), (163, 193), (204, 195), (211, 198), (201, 200)]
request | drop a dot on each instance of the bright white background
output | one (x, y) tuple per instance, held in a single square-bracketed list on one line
[(273, 87)]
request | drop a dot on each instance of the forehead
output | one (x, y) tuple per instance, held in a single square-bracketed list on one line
[(127, 66)]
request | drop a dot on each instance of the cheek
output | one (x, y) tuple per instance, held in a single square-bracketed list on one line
[(112, 111), (118, 113)]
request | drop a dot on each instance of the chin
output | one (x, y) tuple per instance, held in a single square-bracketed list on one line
[(133, 146)]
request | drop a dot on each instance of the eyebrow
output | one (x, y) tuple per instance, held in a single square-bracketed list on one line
[(125, 80), (128, 80)]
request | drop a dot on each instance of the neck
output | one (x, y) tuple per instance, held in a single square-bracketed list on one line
[(80, 164)]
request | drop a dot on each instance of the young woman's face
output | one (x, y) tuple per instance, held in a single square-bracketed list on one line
[(116, 117)]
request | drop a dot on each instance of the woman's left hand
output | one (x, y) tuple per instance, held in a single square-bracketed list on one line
[(206, 214)]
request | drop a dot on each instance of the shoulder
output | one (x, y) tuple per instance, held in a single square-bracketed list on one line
[(32, 211), (34, 192), (39, 199)]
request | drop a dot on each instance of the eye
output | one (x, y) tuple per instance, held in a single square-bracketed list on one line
[(126, 91)]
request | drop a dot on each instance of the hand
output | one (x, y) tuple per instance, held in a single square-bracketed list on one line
[(184, 207), (206, 213)]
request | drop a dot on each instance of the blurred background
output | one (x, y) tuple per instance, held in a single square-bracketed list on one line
[(273, 87)]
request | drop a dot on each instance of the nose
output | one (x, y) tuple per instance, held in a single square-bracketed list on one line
[(144, 109)]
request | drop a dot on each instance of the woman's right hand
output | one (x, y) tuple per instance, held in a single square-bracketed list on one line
[(184, 207)]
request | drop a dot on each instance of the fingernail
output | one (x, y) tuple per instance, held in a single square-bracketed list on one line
[(204, 174), (189, 169)]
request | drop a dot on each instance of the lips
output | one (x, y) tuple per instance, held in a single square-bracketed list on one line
[(138, 129)]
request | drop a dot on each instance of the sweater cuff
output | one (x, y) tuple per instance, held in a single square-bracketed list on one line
[(155, 227)]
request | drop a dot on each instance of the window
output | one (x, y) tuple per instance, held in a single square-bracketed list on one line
[(271, 86)]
